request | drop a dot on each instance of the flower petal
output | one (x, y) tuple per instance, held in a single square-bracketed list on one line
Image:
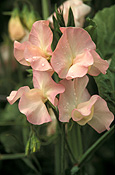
[(41, 35), (80, 89), (102, 116), (67, 101), (78, 39), (80, 65), (99, 66), (74, 41), (15, 95), (84, 111), (19, 52), (44, 82), (32, 106)]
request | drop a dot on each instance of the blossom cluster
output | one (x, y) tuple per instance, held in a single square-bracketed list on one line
[(74, 56)]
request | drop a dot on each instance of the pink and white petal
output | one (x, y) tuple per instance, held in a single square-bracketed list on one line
[(102, 118), (40, 63), (32, 106), (84, 59), (84, 111), (80, 89), (15, 95), (19, 52), (62, 57), (67, 101), (78, 39), (31, 52), (41, 35), (80, 66), (99, 66), (76, 70), (43, 81)]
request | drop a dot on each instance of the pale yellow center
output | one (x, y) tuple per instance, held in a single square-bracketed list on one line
[(85, 119)]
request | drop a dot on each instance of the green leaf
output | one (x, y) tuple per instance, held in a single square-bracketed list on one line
[(59, 16), (105, 22), (56, 33), (70, 19), (106, 88), (74, 170), (92, 29)]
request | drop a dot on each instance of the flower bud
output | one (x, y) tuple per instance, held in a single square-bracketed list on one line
[(15, 27), (28, 17)]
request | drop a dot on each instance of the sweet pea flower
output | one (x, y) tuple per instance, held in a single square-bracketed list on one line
[(36, 52), (32, 101), (77, 104), (75, 55), (79, 9)]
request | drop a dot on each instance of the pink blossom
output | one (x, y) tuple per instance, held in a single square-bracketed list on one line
[(32, 101), (79, 9), (37, 50), (77, 104), (75, 55)]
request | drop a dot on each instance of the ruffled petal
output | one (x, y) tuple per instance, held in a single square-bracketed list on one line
[(62, 57), (80, 89), (36, 58), (102, 116), (80, 65), (32, 106), (19, 52), (15, 95), (99, 66), (84, 111), (72, 48), (44, 82), (41, 35), (78, 39), (67, 101)]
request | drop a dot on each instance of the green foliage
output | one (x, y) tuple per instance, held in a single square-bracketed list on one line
[(29, 17), (105, 22), (70, 19), (106, 86)]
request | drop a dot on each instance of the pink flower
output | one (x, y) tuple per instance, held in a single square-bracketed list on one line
[(79, 9), (37, 50), (32, 101), (77, 104), (75, 55)]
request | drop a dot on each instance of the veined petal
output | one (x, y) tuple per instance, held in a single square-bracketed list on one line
[(33, 107), (19, 52), (80, 65), (44, 82), (40, 64), (102, 116), (67, 101), (15, 95), (62, 57), (99, 66), (76, 71), (41, 35), (84, 111), (78, 39), (80, 89), (72, 48)]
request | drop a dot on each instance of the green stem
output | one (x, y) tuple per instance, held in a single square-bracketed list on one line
[(45, 8), (12, 156), (92, 149), (62, 149), (95, 146)]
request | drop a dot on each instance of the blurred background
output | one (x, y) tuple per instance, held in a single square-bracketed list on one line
[(17, 136)]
